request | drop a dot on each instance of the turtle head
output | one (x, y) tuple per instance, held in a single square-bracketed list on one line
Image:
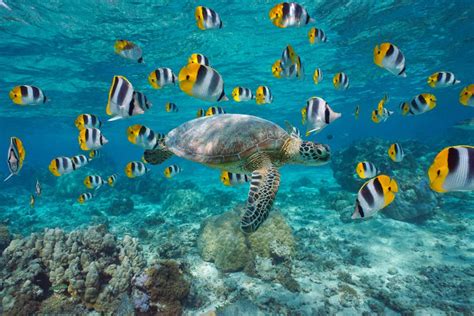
[(312, 154)]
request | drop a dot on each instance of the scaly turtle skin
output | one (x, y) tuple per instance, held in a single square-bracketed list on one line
[(241, 144)]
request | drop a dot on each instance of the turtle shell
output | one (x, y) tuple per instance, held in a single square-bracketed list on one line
[(224, 138)]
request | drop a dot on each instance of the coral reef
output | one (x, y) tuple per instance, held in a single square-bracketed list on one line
[(415, 201), (161, 289), (266, 253), (4, 237), (91, 265)]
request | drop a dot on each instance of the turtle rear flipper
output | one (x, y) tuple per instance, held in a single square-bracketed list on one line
[(263, 188), (156, 156)]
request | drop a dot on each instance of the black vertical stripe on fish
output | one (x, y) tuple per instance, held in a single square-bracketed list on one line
[(240, 90), (286, 9), (367, 195), (133, 167), (114, 86), (399, 58), (395, 147), (131, 107), (213, 17), (86, 135), (165, 75), (307, 19), (24, 91), (402, 71), (201, 75), (215, 79), (453, 159), (448, 77), (142, 130), (199, 59), (94, 135), (151, 136), (359, 209), (414, 105), (422, 99), (221, 96), (122, 93), (470, 164), (298, 11), (378, 187), (390, 51), (65, 163), (439, 77), (204, 13), (36, 92), (157, 74), (327, 115)]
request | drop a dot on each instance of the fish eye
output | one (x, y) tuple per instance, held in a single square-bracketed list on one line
[(187, 77), (439, 172), (465, 93)]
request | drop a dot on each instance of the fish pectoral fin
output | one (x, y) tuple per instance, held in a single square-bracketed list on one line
[(263, 189)]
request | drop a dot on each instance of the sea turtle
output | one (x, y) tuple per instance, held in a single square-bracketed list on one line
[(242, 144)]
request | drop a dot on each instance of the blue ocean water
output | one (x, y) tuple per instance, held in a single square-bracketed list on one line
[(66, 49)]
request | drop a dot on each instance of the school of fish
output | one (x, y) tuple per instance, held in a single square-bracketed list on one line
[(451, 170)]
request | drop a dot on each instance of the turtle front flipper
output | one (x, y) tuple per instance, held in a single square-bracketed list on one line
[(263, 189), (156, 156)]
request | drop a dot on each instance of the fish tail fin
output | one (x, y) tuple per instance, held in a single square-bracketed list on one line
[(457, 81), (6, 179)]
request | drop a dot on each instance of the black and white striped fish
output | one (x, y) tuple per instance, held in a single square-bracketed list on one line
[(263, 95), (453, 169), (61, 165), (390, 57), (171, 171), (120, 98), (241, 94), (317, 114), (202, 82), (94, 182), (231, 179), (418, 105), (80, 161), (396, 152), (27, 95), (111, 180), (289, 14), (87, 120), (207, 18), (161, 77), (144, 137), (136, 169), (84, 197), (199, 59), (341, 81), (442, 79), (374, 195), (15, 157), (215, 110), (316, 36), (318, 75), (366, 169), (91, 138)]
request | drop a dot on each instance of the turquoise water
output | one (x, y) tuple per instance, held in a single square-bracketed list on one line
[(66, 49)]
